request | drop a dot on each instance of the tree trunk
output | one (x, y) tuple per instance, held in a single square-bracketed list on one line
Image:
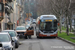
[(70, 25), (67, 30), (60, 24), (65, 23)]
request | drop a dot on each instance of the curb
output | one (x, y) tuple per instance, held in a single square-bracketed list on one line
[(66, 41), (20, 43)]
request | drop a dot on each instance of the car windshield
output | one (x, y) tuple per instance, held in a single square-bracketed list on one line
[(29, 22), (27, 26), (20, 28), (34, 20), (11, 33), (4, 38)]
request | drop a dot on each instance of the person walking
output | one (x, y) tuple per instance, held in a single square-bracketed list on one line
[(27, 35)]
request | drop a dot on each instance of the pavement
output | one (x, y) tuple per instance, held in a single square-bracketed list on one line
[(44, 44)]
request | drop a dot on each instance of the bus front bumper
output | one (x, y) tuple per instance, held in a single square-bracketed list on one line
[(43, 35)]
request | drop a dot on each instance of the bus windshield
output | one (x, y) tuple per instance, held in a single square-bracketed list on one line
[(47, 26)]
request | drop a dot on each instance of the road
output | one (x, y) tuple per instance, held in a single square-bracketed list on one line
[(44, 44)]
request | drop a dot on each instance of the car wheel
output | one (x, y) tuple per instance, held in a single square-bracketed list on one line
[(16, 45), (13, 48), (25, 37), (20, 36)]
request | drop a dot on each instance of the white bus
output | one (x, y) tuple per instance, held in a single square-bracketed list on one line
[(46, 26)]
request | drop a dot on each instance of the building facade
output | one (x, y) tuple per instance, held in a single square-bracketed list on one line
[(10, 12)]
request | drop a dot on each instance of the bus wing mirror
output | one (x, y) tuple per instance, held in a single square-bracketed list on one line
[(58, 24), (38, 22)]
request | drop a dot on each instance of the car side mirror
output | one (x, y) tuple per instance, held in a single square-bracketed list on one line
[(12, 40), (17, 35)]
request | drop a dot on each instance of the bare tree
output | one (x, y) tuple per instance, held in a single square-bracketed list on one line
[(56, 7)]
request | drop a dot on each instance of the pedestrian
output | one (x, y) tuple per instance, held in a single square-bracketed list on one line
[(27, 34)]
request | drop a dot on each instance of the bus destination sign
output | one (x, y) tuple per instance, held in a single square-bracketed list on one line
[(48, 20)]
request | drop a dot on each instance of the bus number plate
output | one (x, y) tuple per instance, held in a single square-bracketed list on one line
[(48, 35)]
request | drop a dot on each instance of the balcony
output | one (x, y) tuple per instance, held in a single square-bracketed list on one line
[(8, 9), (10, 23)]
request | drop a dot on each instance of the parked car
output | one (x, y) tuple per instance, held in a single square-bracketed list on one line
[(13, 34), (20, 31), (34, 21), (6, 40)]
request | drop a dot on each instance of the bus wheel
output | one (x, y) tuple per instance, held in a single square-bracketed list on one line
[(54, 37)]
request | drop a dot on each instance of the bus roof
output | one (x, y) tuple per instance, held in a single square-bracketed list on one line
[(48, 17)]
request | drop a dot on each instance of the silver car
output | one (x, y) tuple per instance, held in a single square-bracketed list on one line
[(7, 42), (13, 34)]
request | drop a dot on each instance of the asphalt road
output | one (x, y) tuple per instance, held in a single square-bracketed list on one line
[(44, 44)]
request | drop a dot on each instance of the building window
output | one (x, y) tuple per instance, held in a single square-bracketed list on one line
[(1, 7)]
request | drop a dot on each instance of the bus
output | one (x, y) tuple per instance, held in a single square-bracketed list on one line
[(46, 26)]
